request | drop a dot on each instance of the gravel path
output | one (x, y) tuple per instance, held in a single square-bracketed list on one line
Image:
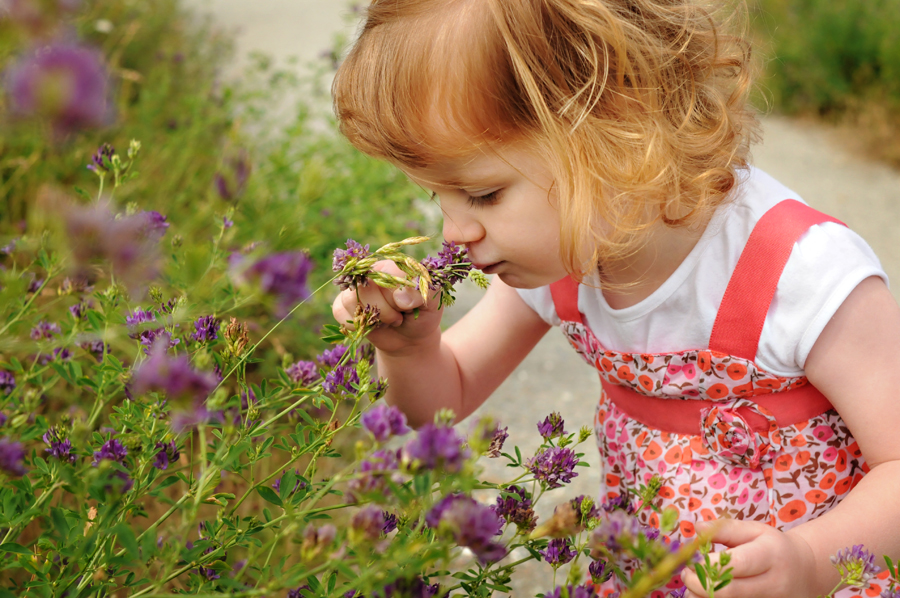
[(814, 161)]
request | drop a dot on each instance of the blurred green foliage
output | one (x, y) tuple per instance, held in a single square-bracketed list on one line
[(837, 59), (307, 188)]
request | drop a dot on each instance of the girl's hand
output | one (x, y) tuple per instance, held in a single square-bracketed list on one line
[(764, 561), (406, 320)]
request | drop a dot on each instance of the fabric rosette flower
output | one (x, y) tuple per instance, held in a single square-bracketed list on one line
[(739, 433)]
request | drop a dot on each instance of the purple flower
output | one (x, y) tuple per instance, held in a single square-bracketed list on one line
[(167, 452), (301, 592), (677, 593), (78, 310), (407, 588), (571, 592), (887, 593), (450, 266), (373, 474), (96, 348), (497, 440), (367, 524), (618, 503), (95, 234), (558, 552), (3, 419), (282, 275), (341, 380), (616, 530), (8, 248), (600, 572), (435, 447), (64, 83), (390, 522), (139, 316), (59, 448), (102, 159), (332, 357), (12, 455), (856, 565), (554, 466), (227, 222), (7, 382), (206, 329), (45, 330), (516, 507), (193, 417), (172, 375), (58, 354), (112, 450), (384, 421), (35, 284), (303, 373), (552, 426), (344, 257), (472, 525), (154, 225)]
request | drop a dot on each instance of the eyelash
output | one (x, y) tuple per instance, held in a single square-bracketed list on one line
[(485, 200)]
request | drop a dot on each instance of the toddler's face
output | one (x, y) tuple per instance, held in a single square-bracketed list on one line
[(502, 206)]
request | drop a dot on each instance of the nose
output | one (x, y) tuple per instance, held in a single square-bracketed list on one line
[(461, 227)]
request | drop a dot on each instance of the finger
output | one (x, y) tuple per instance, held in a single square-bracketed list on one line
[(371, 295), (746, 587), (734, 532)]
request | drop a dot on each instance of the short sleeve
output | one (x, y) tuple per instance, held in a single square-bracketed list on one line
[(541, 301), (826, 264)]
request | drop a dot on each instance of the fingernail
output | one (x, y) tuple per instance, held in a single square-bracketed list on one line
[(404, 301)]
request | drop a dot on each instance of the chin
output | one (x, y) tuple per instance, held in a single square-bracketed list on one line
[(518, 282)]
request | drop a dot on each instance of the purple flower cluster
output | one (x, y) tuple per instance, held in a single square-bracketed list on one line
[(584, 514), (95, 234), (153, 225), (96, 348), (390, 522), (559, 551), (3, 419), (616, 530), (599, 571), (78, 310), (58, 354), (374, 473), (172, 375), (856, 565), (284, 276), (65, 84), (435, 447), (516, 508), (12, 456), (677, 593), (241, 167), (167, 452), (472, 525), (408, 588), (139, 316), (112, 450), (102, 159), (344, 257), (302, 373), (332, 357), (367, 524), (618, 503), (61, 448), (155, 337), (571, 592), (451, 266), (341, 380), (45, 330), (7, 382), (206, 329), (552, 426), (554, 466), (384, 421)]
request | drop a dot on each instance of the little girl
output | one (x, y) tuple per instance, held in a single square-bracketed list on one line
[(593, 156)]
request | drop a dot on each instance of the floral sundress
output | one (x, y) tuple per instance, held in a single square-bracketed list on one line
[(740, 450)]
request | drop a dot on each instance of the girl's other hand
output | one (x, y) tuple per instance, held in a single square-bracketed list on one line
[(406, 319), (764, 562)]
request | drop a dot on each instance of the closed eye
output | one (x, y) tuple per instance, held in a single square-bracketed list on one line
[(477, 201)]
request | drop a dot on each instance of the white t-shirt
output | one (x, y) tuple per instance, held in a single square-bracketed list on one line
[(826, 264)]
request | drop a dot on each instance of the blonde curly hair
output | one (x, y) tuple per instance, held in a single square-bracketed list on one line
[(640, 106)]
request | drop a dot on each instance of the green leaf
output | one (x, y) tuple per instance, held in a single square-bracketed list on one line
[(269, 495), (59, 522), (126, 539), (172, 479), (700, 570), (13, 547)]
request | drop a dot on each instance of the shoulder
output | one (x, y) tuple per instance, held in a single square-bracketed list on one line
[(541, 301)]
